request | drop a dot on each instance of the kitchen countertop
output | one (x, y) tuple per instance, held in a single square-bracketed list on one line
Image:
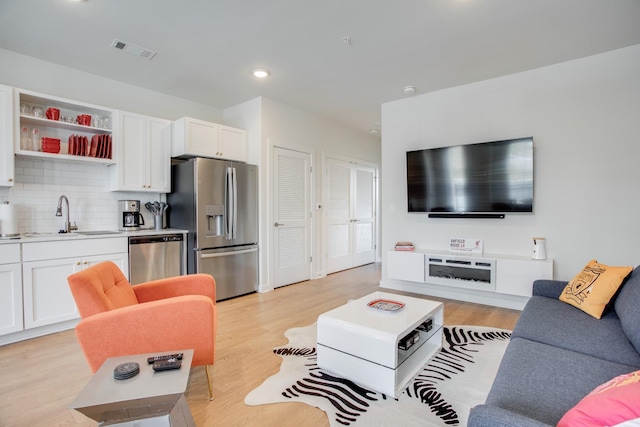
[(48, 237)]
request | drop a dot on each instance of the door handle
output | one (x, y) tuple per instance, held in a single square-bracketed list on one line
[(219, 254), (277, 224)]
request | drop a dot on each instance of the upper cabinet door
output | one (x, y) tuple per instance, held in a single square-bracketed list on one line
[(7, 171), (197, 138), (144, 159), (192, 137), (233, 144), (159, 156), (130, 169)]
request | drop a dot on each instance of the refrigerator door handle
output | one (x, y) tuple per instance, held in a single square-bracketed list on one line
[(229, 196), (216, 255), (235, 203)]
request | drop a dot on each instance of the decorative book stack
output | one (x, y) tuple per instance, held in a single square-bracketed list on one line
[(404, 246)]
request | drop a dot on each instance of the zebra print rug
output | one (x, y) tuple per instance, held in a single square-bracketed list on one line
[(456, 379)]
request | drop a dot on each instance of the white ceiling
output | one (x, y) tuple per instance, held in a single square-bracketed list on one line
[(207, 48)]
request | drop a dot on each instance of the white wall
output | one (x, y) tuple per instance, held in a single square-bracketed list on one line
[(34, 74), (286, 126), (584, 116)]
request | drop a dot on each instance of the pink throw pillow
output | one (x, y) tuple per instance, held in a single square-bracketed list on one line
[(611, 403)]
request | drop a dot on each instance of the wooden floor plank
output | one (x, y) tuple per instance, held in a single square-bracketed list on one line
[(41, 376)]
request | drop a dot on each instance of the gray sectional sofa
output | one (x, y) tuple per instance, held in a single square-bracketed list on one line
[(558, 354)]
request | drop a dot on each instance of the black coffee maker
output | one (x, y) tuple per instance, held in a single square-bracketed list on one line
[(131, 218)]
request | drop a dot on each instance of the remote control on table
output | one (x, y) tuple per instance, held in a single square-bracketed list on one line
[(167, 365), (164, 357)]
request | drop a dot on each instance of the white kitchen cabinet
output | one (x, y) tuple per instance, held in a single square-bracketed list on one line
[(199, 138), (7, 170), (46, 266), (10, 289), (143, 155), (233, 143), (101, 124)]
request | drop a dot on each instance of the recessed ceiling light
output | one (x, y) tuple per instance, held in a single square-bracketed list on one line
[(409, 90), (260, 73)]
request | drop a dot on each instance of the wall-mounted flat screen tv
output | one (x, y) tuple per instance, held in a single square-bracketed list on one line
[(487, 178)]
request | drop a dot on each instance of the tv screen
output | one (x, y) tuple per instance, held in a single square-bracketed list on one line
[(490, 177)]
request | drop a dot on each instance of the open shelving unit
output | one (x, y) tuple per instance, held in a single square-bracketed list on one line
[(58, 128)]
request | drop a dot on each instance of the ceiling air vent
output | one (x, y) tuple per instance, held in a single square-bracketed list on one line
[(132, 49)]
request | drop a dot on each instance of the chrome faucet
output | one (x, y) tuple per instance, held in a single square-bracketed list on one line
[(67, 224)]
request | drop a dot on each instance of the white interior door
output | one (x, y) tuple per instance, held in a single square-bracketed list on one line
[(338, 216), (350, 215), (292, 216), (364, 213)]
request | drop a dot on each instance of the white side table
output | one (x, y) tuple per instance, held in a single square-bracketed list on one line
[(150, 399), (360, 343)]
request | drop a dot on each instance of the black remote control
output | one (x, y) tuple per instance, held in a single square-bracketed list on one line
[(151, 360), (167, 365)]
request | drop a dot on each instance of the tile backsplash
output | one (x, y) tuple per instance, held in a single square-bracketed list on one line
[(39, 183)]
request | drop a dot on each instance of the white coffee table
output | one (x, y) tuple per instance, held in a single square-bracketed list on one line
[(360, 343)]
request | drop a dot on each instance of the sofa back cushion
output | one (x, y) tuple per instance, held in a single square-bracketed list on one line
[(627, 307)]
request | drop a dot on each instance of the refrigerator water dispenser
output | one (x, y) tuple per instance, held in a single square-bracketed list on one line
[(215, 220)]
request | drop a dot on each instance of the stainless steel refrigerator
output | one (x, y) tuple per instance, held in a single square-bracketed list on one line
[(217, 201)]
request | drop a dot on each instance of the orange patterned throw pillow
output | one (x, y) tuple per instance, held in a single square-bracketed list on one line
[(592, 288)]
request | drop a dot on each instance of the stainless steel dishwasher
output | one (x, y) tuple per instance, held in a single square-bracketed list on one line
[(156, 257)]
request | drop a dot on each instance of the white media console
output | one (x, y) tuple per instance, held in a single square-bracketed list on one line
[(500, 280)]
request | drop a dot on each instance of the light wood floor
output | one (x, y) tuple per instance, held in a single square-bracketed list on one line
[(40, 377)]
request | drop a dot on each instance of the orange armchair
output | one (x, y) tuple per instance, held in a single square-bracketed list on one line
[(154, 317)]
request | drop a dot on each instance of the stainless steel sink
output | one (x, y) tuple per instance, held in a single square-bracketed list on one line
[(39, 234), (97, 233)]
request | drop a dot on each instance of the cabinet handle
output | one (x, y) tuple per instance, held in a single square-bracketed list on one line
[(86, 262), (77, 262), (10, 179)]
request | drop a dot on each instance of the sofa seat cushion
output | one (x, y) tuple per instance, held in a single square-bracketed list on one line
[(543, 382), (553, 322)]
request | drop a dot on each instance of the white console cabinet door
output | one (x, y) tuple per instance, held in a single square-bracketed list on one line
[(144, 154), (516, 276), (233, 143), (406, 265), (7, 169), (46, 266), (10, 289)]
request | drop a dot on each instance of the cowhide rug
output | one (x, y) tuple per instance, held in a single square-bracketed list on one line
[(456, 379)]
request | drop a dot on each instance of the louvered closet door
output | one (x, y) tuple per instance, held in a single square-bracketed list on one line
[(291, 213), (350, 215)]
